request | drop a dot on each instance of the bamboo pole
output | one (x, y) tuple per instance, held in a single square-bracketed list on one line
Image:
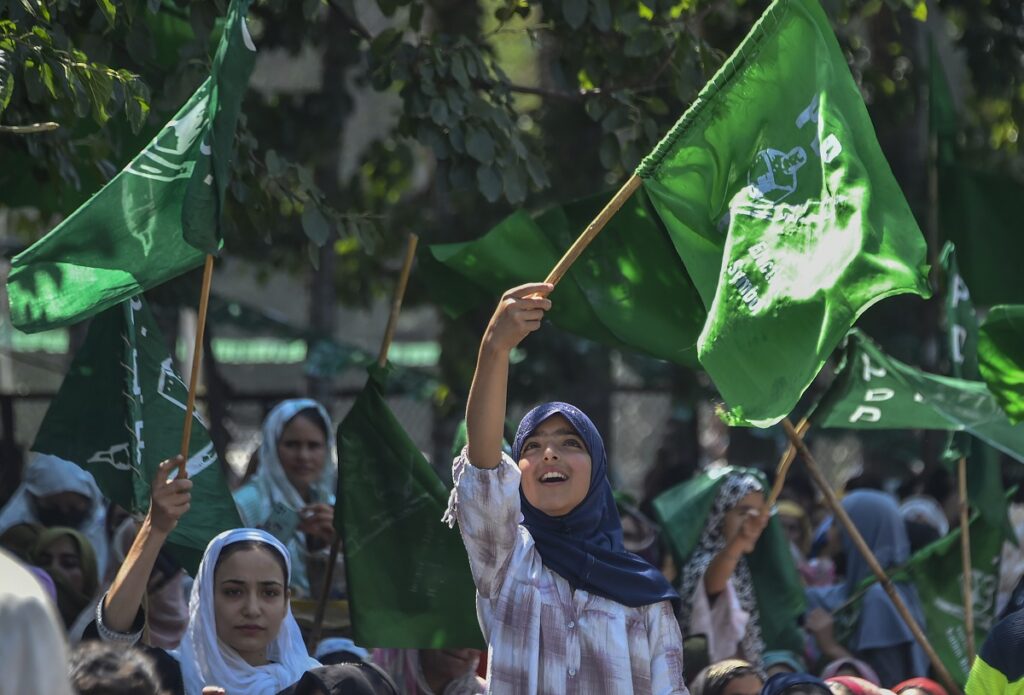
[(382, 359), (858, 540), (197, 356), (965, 555), (782, 470)]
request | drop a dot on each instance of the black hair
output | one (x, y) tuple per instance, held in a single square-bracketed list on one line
[(313, 415), (97, 668), (232, 548)]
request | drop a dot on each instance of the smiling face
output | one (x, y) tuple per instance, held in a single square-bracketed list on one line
[(301, 449), (555, 467), (250, 599)]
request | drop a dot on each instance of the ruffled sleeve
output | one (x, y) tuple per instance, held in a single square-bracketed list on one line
[(485, 503)]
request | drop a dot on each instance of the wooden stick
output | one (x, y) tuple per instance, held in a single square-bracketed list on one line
[(584, 239), (865, 551), (197, 356), (784, 463), (965, 554), (382, 359), (29, 129)]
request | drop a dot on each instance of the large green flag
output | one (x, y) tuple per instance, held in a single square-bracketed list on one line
[(682, 512), (156, 219), (1001, 349), (628, 290), (961, 338), (777, 197), (120, 412), (937, 572), (409, 583)]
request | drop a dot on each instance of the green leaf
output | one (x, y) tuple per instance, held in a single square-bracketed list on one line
[(6, 89), (101, 89), (480, 145), (439, 111), (488, 183), (109, 11), (575, 12), (921, 11), (538, 175), (459, 71), (273, 162), (46, 74), (315, 225), (137, 109), (602, 15), (609, 151), (515, 184)]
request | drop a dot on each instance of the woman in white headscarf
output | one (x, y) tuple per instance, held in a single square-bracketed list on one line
[(55, 492), (241, 634), (292, 493)]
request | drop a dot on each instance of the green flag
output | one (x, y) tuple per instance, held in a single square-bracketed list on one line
[(781, 205), (682, 512), (628, 290), (409, 582), (1001, 349), (156, 219), (120, 412), (961, 338), (937, 572)]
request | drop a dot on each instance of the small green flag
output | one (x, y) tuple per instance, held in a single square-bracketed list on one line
[(682, 512), (1001, 350), (120, 412), (937, 572), (156, 219), (409, 582), (629, 289), (778, 199)]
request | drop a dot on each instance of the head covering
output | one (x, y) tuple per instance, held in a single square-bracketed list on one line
[(49, 475), (403, 665), (338, 645), (585, 546), (205, 660), (34, 654), (713, 679), (271, 478), (925, 684), (783, 682), (70, 600), (863, 670), (857, 686), (783, 657), (792, 510), (355, 678), (926, 510), (736, 486)]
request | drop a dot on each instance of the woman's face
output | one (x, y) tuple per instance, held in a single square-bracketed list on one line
[(555, 467), (250, 600), (751, 503), (302, 449), (63, 560), (744, 685)]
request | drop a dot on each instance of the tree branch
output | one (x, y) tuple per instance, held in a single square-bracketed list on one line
[(29, 129)]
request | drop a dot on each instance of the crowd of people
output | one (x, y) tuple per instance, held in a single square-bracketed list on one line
[(92, 601)]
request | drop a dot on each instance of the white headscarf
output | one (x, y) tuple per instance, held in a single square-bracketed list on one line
[(205, 660), (34, 656), (925, 510), (271, 478), (45, 475)]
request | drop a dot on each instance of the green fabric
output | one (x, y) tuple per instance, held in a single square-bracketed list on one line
[(409, 582), (120, 412), (781, 205), (961, 338), (683, 511), (1001, 355), (937, 572), (628, 290), (156, 219)]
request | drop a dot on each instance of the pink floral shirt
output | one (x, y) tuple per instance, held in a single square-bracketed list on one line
[(542, 636)]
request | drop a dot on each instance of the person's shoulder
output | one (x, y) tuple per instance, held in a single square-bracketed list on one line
[(1003, 649)]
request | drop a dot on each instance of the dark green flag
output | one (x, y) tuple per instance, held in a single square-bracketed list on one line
[(682, 512), (409, 582), (961, 338), (1001, 350), (628, 290), (777, 197), (156, 219), (120, 412)]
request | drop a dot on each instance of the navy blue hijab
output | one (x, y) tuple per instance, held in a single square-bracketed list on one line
[(781, 682), (585, 546)]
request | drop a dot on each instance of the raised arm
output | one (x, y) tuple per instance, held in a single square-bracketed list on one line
[(170, 500), (519, 313)]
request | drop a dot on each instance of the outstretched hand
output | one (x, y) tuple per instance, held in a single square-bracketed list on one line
[(170, 499), (518, 314)]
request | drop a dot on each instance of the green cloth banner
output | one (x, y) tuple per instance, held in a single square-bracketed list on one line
[(628, 290), (777, 197), (937, 572), (683, 511), (120, 412), (156, 219), (1001, 350), (409, 583), (961, 338)]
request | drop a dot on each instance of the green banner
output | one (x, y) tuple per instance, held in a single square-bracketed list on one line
[(409, 582), (777, 197), (120, 412), (153, 221), (961, 325), (1001, 356)]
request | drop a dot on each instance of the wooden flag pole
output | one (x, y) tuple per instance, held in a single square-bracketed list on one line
[(197, 356), (382, 359), (592, 230), (965, 555), (865, 551), (784, 464)]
